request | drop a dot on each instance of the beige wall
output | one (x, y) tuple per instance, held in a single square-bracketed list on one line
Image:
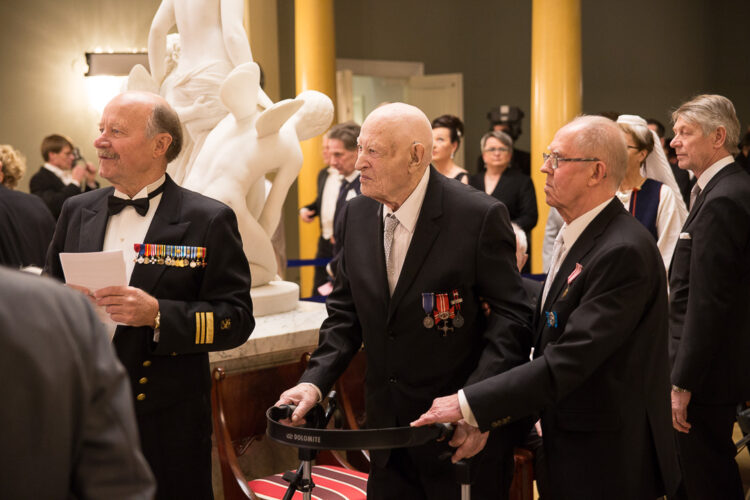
[(42, 59)]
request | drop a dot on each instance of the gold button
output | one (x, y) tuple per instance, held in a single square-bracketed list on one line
[(143, 380), (147, 363), (140, 397)]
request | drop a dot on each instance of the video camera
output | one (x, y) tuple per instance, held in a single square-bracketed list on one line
[(77, 157)]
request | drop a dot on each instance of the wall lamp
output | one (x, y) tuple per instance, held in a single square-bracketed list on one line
[(107, 73)]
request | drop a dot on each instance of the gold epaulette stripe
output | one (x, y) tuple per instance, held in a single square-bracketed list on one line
[(197, 328), (204, 328), (209, 328)]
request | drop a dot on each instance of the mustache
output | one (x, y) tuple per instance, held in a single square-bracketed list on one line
[(103, 153)]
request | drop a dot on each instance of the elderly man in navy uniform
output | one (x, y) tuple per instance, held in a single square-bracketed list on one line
[(189, 290)]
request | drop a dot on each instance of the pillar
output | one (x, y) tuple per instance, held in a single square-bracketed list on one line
[(315, 69), (556, 90)]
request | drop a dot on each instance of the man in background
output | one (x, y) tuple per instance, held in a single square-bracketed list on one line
[(60, 178), (68, 429), (336, 185), (709, 296)]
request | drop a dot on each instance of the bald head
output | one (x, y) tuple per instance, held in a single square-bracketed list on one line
[(599, 137), (406, 124), (395, 148), (591, 162)]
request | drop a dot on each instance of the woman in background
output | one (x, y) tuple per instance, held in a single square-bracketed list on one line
[(26, 224), (649, 191), (447, 131), (506, 184)]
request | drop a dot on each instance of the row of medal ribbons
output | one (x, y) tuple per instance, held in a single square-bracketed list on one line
[(170, 255)]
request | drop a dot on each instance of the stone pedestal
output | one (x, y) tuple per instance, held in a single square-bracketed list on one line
[(274, 298), (277, 339)]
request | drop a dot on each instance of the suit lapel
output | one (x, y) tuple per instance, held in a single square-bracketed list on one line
[(165, 228), (94, 224), (581, 248), (425, 233), (729, 169)]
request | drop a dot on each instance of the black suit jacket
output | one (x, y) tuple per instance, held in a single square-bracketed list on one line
[(600, 375), (72, 413), (516, 191), (316, 204), (26, 227), (710, 293), (46, 185), (194, 302), (462, 241)]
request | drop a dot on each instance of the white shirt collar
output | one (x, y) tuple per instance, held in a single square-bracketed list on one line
[(143, 193), (408, 213), (571, 232), (714, 169)]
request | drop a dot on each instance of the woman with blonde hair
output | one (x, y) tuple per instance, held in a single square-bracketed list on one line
[(26, 224), (12, 166)]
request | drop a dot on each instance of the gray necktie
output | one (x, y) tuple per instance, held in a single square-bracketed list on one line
[(694, 194), (390, 227), (557, 252)]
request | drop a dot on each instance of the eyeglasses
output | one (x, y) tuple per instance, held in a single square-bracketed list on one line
[(554, 159), (496, 150)]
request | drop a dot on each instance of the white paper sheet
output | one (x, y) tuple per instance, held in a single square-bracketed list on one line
[(95, 270)]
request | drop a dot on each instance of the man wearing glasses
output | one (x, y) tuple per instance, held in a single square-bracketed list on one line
[(599, 378)]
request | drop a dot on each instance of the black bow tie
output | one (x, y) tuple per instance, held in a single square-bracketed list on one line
[(115, 204)]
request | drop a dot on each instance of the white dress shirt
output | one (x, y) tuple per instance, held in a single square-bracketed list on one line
[(127, 228), (407, 215), (328, 202)]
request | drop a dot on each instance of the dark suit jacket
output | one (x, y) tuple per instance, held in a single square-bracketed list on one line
[(46, 185), (710, 293), (26, 227), (72, 419), (516, 191), (600, 375), (462, 241), (192, 301), (316, 204)]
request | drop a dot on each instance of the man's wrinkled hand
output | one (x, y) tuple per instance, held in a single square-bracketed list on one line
[(128, 305), (444, 410), (467, 440), (680, 401), (304, 397)]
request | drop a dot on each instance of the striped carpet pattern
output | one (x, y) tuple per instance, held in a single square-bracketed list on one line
[(331, 483)]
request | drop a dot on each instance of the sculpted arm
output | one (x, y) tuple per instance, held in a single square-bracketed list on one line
[(163, 21)]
